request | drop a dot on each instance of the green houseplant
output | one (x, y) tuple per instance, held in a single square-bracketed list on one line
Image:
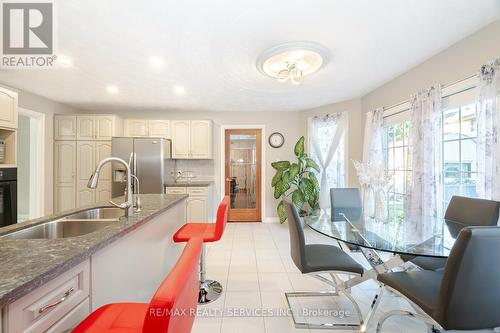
[(296, 179)]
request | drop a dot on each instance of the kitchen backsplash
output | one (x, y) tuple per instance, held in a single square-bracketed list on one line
[(203, 170)]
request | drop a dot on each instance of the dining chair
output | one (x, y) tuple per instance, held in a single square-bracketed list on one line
[(346, 201), (316, 259), (466, 211), (465, 295)]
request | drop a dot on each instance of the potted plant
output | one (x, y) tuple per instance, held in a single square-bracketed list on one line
[(296, 179)]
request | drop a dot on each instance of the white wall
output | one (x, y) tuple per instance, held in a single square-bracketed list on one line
[(41, 104)]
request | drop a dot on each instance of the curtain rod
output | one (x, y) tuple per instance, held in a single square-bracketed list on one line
[(385, 108)]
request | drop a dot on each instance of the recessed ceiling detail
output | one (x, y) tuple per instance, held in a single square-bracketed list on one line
[(293, 61)]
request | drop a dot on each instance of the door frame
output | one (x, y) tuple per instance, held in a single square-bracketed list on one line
[(222, 183), (37, 173)]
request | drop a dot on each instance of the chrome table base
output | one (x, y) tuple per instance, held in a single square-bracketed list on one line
[(210, 290)]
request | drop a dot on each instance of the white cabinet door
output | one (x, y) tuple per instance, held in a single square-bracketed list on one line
[(85, 165), (64, 174), (104, 127), (64, 127), (8, 108), (197, 209), (136, 127), (103, 191), (181, 137), (201, 139), (85, 128), (159, 128)]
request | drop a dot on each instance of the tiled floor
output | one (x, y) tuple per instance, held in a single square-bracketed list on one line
[(252, 261)]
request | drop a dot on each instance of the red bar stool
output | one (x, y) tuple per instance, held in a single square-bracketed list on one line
[(210, 290), (172, 309)]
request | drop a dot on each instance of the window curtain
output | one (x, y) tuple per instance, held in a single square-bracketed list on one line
[(324, 154), (425, 191), (373, 142), (488, 153)]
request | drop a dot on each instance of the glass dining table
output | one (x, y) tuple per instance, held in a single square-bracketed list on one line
[(413, 236)]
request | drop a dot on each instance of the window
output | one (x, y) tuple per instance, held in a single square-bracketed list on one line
[(459, 151), (335, 171), (398, 163)]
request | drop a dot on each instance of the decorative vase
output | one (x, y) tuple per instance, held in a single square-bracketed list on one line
[(381, 206), (369, 202)]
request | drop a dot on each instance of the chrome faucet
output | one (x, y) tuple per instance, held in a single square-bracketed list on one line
[(94, 178)]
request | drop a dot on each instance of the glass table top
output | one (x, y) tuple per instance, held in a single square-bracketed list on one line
[(423, 236)]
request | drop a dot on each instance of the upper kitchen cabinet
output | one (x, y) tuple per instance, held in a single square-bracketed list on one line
[(147, 128), (8, 109), (86, 127), (64, 127), (191, 139)]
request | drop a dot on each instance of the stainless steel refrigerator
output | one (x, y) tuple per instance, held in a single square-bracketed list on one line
[(146, 157)]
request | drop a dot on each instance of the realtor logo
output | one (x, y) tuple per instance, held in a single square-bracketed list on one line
[(27, 34)]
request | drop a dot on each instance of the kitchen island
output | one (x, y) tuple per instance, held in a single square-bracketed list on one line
[(51, 284)]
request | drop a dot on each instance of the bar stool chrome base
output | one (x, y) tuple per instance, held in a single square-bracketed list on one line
[(210, 290)]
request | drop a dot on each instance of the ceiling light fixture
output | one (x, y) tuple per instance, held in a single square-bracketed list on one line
[(112, 89), (156, 62), (179, 90), (292, 61)]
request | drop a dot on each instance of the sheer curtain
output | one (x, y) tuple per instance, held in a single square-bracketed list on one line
[(373, 143), (488, 153), (323, 148), (426, 135)]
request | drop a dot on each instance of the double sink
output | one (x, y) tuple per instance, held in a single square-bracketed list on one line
[(77, 224)]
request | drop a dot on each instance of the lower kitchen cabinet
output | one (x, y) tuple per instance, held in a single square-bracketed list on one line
[(197, 209)]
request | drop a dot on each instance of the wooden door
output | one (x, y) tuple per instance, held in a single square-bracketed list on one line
[(243, 151), (159, 128), (64, 127), (8, 108), (85, 166), (65, 170), (85, 128), (181, 139), (201, 139)]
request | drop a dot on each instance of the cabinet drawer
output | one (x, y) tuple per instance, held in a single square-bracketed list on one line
[(72, 319), (46, 305), (176, 190), (197, 191)]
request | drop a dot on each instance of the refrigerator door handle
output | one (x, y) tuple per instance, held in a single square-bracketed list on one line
[(135, 165)]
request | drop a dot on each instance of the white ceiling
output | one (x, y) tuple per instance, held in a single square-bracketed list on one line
[(211, 47)]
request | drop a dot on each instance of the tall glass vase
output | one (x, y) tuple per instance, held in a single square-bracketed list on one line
[(381, 206), (369, 202)]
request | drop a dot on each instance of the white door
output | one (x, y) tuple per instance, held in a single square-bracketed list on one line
[(104, 126), (201, 139), (65, 172), (85, 128), (180, 139), (64, 127), (103, 191), (197, 209), (159, 128), (8, 108), (136, 127), (85, 166)]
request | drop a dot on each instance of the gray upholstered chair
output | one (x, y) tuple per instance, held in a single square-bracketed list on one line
[(466, 295), (313, 259), (347, 201), (466, 211)]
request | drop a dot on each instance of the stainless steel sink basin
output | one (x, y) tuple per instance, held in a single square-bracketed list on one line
[(73, 225), (103, 213)]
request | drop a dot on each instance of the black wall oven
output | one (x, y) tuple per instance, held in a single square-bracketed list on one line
[(8, 196)]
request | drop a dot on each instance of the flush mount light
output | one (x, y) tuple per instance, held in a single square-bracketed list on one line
[(179, 90), (112, 89), (292, 61)]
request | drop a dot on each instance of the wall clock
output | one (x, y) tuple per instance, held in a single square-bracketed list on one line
[(276, 140)]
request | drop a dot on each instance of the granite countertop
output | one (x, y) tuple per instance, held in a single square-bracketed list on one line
[(194, 183), (26, 264)]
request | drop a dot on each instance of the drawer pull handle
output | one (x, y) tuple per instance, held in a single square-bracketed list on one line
[(56, 303)]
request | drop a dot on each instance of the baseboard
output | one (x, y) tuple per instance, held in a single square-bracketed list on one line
[(271, 219)]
